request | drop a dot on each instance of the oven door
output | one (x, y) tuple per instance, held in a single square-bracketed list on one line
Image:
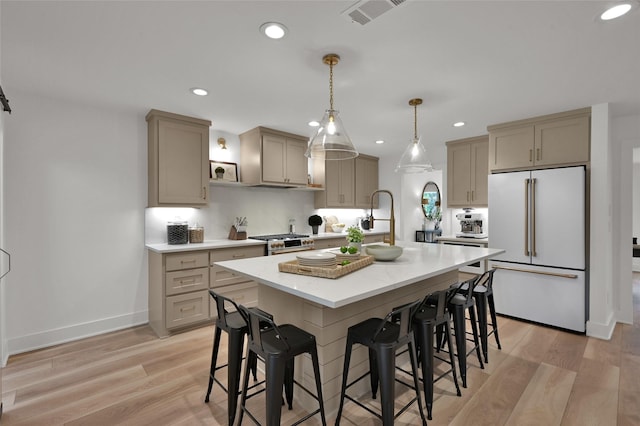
[(475, 268)]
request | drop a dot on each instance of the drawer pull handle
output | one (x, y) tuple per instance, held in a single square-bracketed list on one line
[(191, 281), (188, 261), (237, 256), (190, 308)]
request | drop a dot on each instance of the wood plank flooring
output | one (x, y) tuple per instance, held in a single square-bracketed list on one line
[(542, 376)]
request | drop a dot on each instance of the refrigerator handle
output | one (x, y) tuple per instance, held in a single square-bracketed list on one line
[(533, 217), (526, 217)]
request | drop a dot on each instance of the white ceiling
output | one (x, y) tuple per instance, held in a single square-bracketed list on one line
[(477, 61)]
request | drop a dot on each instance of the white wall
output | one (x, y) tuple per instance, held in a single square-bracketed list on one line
[(75, 192), (626, 137), (635, 210)]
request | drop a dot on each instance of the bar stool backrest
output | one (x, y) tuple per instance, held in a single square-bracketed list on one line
[(468, 286), (439, 300), (258, 321), (222, 303), (486, 279), (403, 316)]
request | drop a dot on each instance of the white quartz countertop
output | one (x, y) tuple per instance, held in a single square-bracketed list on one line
[(206, 245), (417, 262), (225, 243)]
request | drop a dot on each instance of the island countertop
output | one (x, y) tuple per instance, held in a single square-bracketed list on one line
[(417, 262)]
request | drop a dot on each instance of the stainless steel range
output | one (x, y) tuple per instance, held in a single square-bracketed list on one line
[(285, 243)]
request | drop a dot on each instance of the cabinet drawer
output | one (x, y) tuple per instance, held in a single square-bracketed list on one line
[(185, 309), (177, 282), (232, 253), (220, 277), (245, 294), (177, 261), (330, 243)]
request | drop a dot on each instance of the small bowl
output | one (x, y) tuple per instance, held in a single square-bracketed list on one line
[(337, 228), (384, 253)]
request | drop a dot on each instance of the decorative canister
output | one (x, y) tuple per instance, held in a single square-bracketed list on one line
[(177, 232), (196, 234)]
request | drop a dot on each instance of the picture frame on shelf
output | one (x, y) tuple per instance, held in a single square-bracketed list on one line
[(223, 171)]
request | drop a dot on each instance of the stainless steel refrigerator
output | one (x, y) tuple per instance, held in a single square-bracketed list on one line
[(539, 218)]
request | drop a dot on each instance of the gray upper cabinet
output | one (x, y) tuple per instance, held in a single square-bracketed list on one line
[(553, 140), (467, 172), (271, 157), (346, 183), (178, 151)]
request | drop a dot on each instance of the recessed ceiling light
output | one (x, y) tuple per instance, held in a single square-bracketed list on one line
[(615, 11), (459, 124), (379, 141), (273, 30), (199, 91), (314, 123)]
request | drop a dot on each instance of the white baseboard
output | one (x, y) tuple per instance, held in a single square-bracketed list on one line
[(75, 332), (600, 330)]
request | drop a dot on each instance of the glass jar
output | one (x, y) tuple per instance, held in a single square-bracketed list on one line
[(177, 232), (196, 234)]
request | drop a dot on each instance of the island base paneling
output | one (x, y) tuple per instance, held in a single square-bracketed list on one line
[(330, 326)]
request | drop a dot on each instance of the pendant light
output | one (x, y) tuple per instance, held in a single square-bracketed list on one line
[(331, 141), (414, 159)]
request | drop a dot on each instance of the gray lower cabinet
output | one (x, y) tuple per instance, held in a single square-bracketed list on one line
[(179, 286), (229, 284)]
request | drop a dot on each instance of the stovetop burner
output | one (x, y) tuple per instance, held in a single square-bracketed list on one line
[(277, 237)]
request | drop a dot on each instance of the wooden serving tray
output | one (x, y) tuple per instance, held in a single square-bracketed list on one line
[(325, 271)]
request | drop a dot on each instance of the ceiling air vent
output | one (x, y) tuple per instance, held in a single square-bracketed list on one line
[(366, 11)]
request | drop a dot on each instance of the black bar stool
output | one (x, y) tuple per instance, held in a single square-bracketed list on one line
[(459, 304), (234, 324), (383, 337), (433, 313), (277, 346), (483, 295)]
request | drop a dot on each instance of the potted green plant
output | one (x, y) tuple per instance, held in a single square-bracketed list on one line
[(219, 172), (314, 222), (355, 237)]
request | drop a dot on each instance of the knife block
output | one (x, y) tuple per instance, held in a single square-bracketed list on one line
[(234, 234)]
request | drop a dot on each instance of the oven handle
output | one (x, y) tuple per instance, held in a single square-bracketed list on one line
[(290, 251)]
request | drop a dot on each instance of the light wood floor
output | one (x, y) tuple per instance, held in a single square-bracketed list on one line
[(542, 376)]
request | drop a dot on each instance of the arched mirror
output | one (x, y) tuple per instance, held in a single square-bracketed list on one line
[(431, 200)]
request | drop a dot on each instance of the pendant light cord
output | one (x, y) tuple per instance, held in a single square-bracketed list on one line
[(415, 122), (331, 86)]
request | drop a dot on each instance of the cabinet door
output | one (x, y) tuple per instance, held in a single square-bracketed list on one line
[(339, 182), (273, 158), (480, 174), (458, 175), (562, 142), (511, 148), (183, 163), (297, 169), (366, 181)]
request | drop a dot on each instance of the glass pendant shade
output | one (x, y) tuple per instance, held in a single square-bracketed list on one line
[(331, 141), (414, 159)]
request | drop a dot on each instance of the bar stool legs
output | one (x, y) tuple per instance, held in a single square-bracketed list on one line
[(432, 315), (278, 346), (236, 328), (461, 337), (383, 337)]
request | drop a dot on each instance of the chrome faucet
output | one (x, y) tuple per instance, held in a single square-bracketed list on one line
[(391, 220)]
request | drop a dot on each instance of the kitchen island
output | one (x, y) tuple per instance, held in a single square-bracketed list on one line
[(328, 307)]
